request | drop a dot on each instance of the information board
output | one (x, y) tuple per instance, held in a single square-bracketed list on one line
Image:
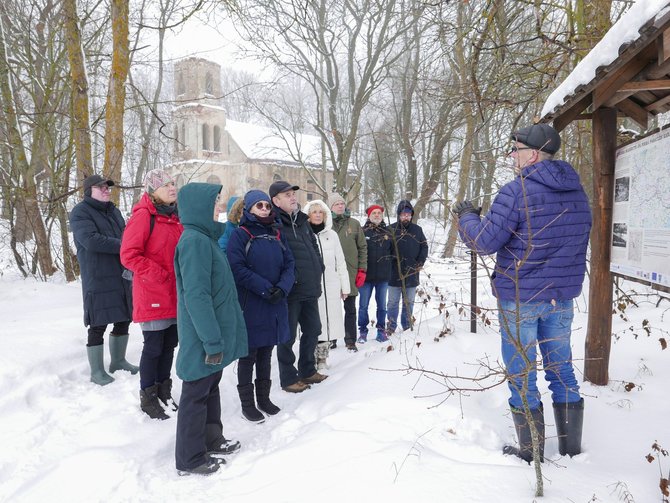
[(641, 213)]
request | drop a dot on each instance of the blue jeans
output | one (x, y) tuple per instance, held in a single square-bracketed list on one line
[(550, 326), (395, 296), (365, 293)]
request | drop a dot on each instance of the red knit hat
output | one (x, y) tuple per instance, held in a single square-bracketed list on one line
[(374, 207)]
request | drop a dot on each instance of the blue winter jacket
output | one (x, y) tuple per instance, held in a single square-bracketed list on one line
[(209, 318), (266, 263), (97, 228), (230, 225), (539, 226)]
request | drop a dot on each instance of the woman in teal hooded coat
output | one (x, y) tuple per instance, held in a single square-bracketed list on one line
[(211, 330)]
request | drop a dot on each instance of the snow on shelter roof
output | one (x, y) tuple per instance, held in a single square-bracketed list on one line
[(622, 34)]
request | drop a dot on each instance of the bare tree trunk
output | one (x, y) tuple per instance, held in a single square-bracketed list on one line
[(116, 93), (21, 167), (80, 111)]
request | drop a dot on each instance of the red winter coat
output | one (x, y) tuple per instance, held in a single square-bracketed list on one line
[(150, 255)]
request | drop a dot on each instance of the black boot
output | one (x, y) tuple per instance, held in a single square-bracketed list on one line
[(525, 449), (165, 394), (263, 397), (249, 409), (569, 420), (149, 403), (217, 444)]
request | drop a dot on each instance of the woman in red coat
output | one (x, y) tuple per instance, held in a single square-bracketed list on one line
[(147, 249)]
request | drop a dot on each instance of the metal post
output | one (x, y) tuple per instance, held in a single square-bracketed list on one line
[(473, 292)]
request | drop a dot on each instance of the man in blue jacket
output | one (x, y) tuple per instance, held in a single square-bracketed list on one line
[(539, 227)]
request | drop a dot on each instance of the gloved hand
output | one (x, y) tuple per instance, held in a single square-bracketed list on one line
[(464, 207), (214, 359), (276, 295), (360, 278)]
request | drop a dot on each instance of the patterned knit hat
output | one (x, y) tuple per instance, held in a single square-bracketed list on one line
[(155, 179)]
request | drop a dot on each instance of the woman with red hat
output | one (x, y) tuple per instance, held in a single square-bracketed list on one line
[(378, 274)]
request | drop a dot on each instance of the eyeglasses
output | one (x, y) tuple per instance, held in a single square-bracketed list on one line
[(103, 188), (263, 205), (516, 149)]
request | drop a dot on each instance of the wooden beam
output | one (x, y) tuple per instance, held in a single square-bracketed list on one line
[(645, 85), (656, 72), (635, 112), (612, 83), (573, 112), (599, 330), (656, 105), (663, 46)]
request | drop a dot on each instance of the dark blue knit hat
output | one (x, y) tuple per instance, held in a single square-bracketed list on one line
[(253, 196)]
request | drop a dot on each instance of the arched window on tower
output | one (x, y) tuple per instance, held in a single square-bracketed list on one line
[(181, 88), (276, 177), (205, 137), (216, 140), (209, 84)]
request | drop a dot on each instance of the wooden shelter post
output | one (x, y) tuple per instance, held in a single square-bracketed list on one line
[(599, 331)]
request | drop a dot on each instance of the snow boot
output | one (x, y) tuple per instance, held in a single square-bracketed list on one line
[(321, 354), (569, 420), (165, 395), (381, 336), (525, 449), (95, 360), (117, 350), (263, 397), (249, 409), (207, 468), (362, 337), (149, 403), (217, 444)]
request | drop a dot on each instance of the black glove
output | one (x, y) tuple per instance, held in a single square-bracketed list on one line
[(276, 295), (464, 207), (214, 359)]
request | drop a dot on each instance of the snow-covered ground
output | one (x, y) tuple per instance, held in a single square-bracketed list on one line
[(372, 432)]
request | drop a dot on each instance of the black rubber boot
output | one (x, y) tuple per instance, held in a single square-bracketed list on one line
[(569, 420), (165, 394), (263, 397), (525, 449), (149, 403), (249, 409)]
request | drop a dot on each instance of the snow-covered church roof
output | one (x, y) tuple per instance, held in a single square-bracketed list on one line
[(272, 144)]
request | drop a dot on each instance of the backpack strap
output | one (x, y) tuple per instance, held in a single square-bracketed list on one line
[(276, 237)]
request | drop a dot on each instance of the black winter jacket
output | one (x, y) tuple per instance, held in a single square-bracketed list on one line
[(97, 228), (308, 263), (380, 244)]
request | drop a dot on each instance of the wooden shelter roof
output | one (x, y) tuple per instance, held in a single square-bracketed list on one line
[(636, 83)]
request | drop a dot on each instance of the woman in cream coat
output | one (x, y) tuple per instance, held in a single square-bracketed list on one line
[(335, 280)]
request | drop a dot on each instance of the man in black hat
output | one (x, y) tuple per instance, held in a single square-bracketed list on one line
[(538, 227), (97, 226), (303, 300)]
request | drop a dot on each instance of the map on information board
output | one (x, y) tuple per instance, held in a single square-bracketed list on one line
[(641, 214)]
